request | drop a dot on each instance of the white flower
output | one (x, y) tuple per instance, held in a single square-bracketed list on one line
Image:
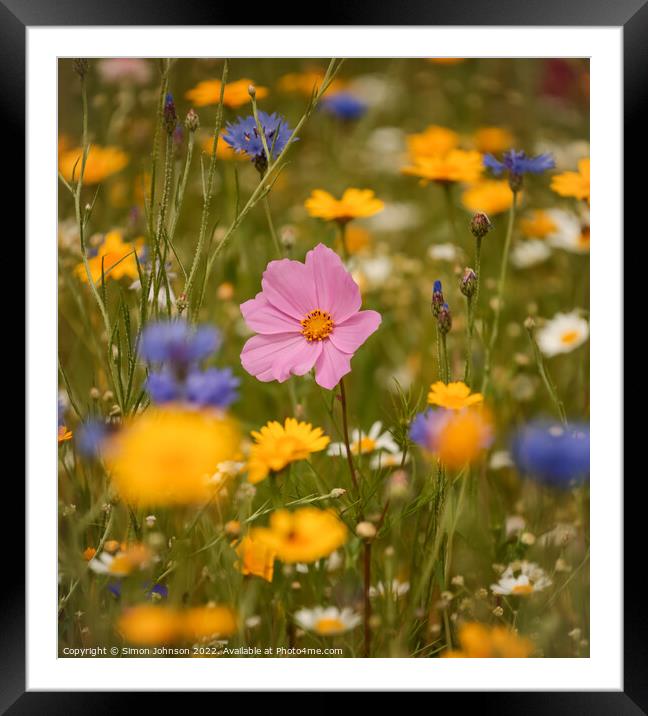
[(500, 459), (395, 217), (365, 443), (398, 589), (521, 578), (571, 233), (525, 254), (562, 334), (444, 252), (371, 272), (388, 459), (327, 621), (116, 566), (514, 525)]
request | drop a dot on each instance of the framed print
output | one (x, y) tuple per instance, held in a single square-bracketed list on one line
[(337, 375)]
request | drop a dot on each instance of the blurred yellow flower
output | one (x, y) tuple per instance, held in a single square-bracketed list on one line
[(457, 165), (354, 204), (453, 396), (277, 445), (256, 558), (306, 535), (446, 60), (478, 641), (208, 622), (538, 224), (235, 93), (149, 625), (166, 456), (101, 163), (64, 434), (493, 140), (305, 83), (357, 239), (462, 438), (492, 196), (433, 141), (223, 150), (115, 257), (576, 184), (89, 553)]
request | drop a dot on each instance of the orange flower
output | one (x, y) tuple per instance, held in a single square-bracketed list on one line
[(114, 257), (538, 224), (306, 83), (235, 94), (463, 438), (208, 622), (478, 641), (354, 204), (89, 553), (453, 396), (494, 140), (64, 434), (256, 558), (149, 625), (576, 184), (101, 163), (492, 196), (434, 141), (457, 165)]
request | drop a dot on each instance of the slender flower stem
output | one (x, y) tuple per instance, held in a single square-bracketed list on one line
[(345, 430), (499, 297), (343, 239), (444, 358), (472, 304), (546, 379), (447, 187), (160, 229), (164, 85), (271, 226)]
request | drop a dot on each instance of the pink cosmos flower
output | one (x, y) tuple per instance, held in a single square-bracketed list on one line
[(307, 315)]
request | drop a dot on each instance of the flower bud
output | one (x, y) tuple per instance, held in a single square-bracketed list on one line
[(337, 492), (437, 298), (468, 283), (252, 91), (365, 530), (81, 66), (192, 122), (480, 225), (170, 117), (444, 319)]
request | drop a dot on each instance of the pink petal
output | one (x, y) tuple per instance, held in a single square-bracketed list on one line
[(350, 335), (331, 366), (336, 291), (276, 357), (263, 317), (288, 286)]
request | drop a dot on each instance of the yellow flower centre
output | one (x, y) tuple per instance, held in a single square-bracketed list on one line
[(522, 589), (569, 337), (329, 626), (317, 325), (364, 445)]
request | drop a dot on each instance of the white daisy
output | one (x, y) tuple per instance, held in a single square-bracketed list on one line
[(571, 233), (327, 621), (115, 565), (500, 459), (531, 252), (388, 459), (398, 589), (562, 334), (444, 252), (521, 578), (364, 443), (371, 272)]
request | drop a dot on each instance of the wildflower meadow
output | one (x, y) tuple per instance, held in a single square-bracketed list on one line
[(323, 357)]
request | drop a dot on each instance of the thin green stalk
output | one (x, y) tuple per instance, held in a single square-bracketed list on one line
[(343, 239), (160, 230), (542, 370), (499, 297), (447, 187), (444, 357)]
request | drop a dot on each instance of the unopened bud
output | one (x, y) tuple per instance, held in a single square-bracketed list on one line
[(437, 298), (170, 117), (468, 283), (192, 122), (182, 303), (529, 323), (233, 528), (337, 492), (81, 66), (444, 319), (480, 225), (365, 530), (252, 91), (288, 237), (95, 394)]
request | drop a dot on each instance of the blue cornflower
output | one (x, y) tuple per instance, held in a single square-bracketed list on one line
[(178, 343), (426, 426), (437, 298), (244, 137), (163, 387), (214, 387), (90, 436), (344, 105), (553, 454), (517, 164)]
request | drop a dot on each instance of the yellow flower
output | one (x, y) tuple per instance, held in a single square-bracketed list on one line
[(100, 163), (208, 622), (256, 558), (492, 196), (478, 641), (116, 257), (494, 140), (235, 94), (354, 204), (64, 434), (89, 553), (463, 438), (278, 445), (306, 535), (434, 141), (576, 184), (453, 396), (306, 83), (166, 456), (538, 224), (148, 625), (457, 165), (357, 239)]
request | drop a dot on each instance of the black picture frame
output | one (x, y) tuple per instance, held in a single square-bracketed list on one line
[(17, 15)]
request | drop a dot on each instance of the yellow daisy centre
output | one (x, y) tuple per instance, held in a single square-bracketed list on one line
[(569, 337), (317, 325), (364, 445), (330, 625), (522, 589)]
